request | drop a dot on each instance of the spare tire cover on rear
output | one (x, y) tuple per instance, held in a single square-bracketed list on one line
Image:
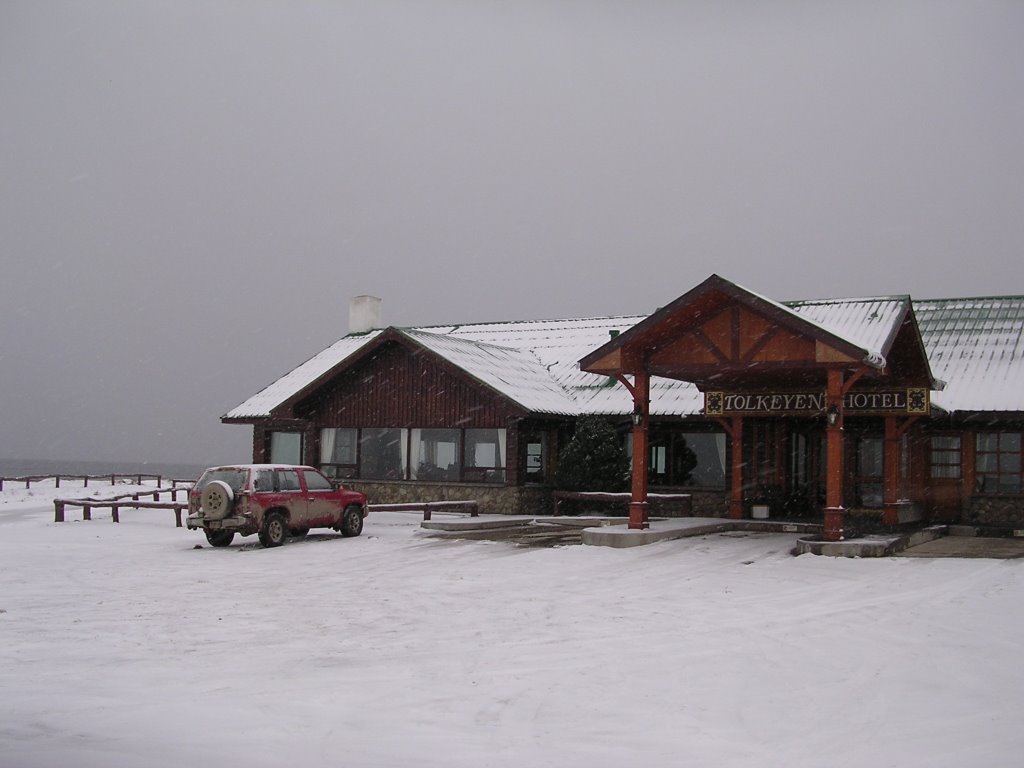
[(216, 500)]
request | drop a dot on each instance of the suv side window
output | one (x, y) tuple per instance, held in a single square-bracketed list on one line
[(264, 482), (317, 482), (287, 480)]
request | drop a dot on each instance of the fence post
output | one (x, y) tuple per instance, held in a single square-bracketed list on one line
[(87, 511), (177, 517), (426, 511), (86, 479), (58, 511), (113, 479), (58, 481), (114, 516)]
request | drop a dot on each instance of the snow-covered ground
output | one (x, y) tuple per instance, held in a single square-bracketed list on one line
[(131, 645)]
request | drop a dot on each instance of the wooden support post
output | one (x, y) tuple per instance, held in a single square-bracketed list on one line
[(736, 495), (177, 517), (86, 511), (115, 517), (834, 452), (58, 511), (893, 459), (638, 517), (891, 472)]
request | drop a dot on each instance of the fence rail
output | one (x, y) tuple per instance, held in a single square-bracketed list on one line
[(130, 500), (427, 508), (110, 479)]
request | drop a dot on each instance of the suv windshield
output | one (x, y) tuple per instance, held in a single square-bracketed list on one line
[(233, 477)]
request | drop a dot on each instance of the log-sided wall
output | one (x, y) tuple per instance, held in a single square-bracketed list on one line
[(400, 387)]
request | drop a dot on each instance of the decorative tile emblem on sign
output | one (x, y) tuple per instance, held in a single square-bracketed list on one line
[(714, 403), (917, 400)]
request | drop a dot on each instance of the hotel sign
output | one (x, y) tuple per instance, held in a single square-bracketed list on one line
[(914, 401)]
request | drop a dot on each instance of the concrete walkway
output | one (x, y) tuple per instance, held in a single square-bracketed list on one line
[(933, 541), (969, 546), (598, 531)]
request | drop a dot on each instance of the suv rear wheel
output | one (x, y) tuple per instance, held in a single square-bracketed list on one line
[(219, 538), (352, 521), (274, 531)]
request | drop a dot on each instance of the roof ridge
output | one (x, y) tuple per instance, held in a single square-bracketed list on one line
[(1011, 297), (849, 300), (525, 322)]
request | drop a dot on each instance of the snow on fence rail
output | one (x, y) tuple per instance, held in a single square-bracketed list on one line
[(428, 507), (111, 479), (130, 500)]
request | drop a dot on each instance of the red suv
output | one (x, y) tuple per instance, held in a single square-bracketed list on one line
[(272, 500)]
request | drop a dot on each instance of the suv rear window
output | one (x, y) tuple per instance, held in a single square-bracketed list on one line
[(233, 477)]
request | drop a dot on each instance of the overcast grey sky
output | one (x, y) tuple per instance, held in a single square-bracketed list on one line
[(192, 190)]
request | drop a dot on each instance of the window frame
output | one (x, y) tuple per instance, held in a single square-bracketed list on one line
[(1000, 456), (946, 451)]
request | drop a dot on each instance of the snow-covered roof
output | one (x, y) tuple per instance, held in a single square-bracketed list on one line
[(975, 345), (870, 324), (266, 400)]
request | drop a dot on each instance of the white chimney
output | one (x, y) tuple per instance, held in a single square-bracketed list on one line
[(363, 314)]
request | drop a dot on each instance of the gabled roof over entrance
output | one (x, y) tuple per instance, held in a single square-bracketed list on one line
[(720, 334)]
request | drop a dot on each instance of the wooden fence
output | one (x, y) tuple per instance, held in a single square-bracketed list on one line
[(130, 500), (472, 508), (111, 479)]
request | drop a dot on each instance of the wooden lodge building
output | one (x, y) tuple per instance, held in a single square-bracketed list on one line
[(888, 408)]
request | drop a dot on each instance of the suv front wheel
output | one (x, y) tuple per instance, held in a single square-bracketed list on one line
[(274, 531), (351, 521)]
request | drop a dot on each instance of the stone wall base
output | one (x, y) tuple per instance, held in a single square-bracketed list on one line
[(988, 510), (493, 499)]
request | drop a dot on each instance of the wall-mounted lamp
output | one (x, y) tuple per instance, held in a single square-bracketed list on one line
[(832, 415), (638, 415)]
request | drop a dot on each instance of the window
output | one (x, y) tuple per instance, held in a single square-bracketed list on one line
[(339, 452), (382, 454), (446, 455), (870, 469), (536, 459), (998, 462), (435, 454), (317, 482), (485, 456), (688, 459), (287, 480), (945, 457), (285, 447), (233, 477)]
